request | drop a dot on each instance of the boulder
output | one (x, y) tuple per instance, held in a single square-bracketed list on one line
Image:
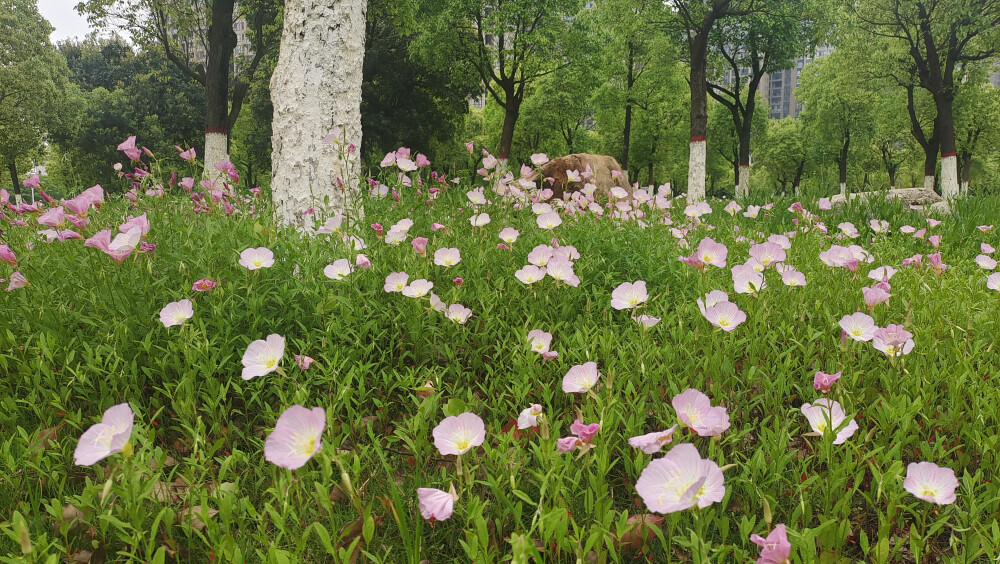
[(908, 197), (602, 167)]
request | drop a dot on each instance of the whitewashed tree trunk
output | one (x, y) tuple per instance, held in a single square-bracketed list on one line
[(216, 151), (949, 177), (743, 190), (315, 89), (696, 171), (965, 188), (929, 182), (843, 188)]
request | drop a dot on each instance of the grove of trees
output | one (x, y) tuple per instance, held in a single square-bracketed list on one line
[(676, 91)]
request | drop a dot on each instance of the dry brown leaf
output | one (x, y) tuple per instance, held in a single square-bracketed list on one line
[(46, 438), (640, 531), (195, 515)]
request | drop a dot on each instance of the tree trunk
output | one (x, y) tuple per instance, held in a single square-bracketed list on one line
[(966, 171), (946, 137), (743, 186), (842, 162), (652, 182), (629, 82), (892, 177), (316, 89), (510, 115), (699, 111), (13, 180), (744, 132), (221, 42), (798, 177)]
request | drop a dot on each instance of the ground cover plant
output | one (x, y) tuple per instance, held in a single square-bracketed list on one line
[(462, 375)]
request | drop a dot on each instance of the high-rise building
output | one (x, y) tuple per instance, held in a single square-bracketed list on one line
[(779, 88), (194, 48)]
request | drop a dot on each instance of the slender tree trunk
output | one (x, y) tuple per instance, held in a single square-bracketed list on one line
[(798, 177), (842, 162), (745, 133), (966, 170), (316, 90), (510, 115), (892, 177), (652, 182), (221, 42), (699, 111), (629, 82), (13, 179), (928, 143)]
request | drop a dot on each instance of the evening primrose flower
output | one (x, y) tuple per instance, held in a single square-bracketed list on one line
[(581, 378), (539, 340), (447, 257), (549, 220), (479, 220), (530, 274), (712, 298), (255, 258), (562, 270), (712, 252), (993, 281), (540, 255), (931, 483), (679, 480), (297, 436), (651, 443), (628, 295), (775, 549), (529, 416), (17, 280), (874, 296), (767, 253), (695, 410), (459, 434), (339, 270), (793, 278), (725, 315), (509, 235), (646, 321), (746, 280), (418, 288), (859, 326), (893, 340), (458, 313), (203, 285), (823, 382), (986, 262), (827, 414), (435, 504), (263, 356), (176, 313), (395, 282), (105, 438)]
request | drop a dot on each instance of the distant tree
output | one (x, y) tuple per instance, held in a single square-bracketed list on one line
[(763, 42), (783, 153), (941, 38), (35, 93), (177, 27), (509, 44)]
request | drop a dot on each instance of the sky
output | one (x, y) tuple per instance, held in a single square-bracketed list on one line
[(62, 15)]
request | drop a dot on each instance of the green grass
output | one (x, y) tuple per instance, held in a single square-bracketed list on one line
[(86, 335)]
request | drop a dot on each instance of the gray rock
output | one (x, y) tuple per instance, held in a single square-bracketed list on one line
[(908, 197)]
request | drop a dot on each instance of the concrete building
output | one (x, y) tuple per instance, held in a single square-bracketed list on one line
[(195, 48), (779, 88)]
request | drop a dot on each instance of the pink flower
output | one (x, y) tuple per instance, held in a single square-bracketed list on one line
[(203, 285), (437, 226), (585, 432), (189, 155), (775, 549), (447, 257), (646, 321), (711, 252), (230, 170), (263, 356), (529, 417), (549, 220), (539, 340), (459, 434), (297, 436), (396, 281), (434, 504), (874, 296), (931, 483), (893, 340), (540, 255), (421, 160), (458, 313), (882, 273), (629, 295), (32, 181), (420, 245), (479, 220), (102, 241), (561, 269), (986, 262), (304, 361), (581, 378), (932, 223), (530, 274), (987, 248), (651, 443), (468, 146), (725, 315), (767, 253), (256, 258), (105, 438), (692, 260), (54, 217), (993, 281), (913, 261), (567, 444), (859, 326), (793, 278), (823, 382), (825, 204), (746, 280), (7, 255), (17, 280), (418, 288), (826, 415), (695, 410), (176, 313), (339, 270), (680, 480), (128, 147), (509, 235), (361, 261), (712, 298), (538, 159)]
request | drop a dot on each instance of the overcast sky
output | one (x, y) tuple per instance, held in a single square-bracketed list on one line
[(62, 15)]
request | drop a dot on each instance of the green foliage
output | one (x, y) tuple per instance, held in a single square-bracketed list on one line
[(35, 95), (86, 335)]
